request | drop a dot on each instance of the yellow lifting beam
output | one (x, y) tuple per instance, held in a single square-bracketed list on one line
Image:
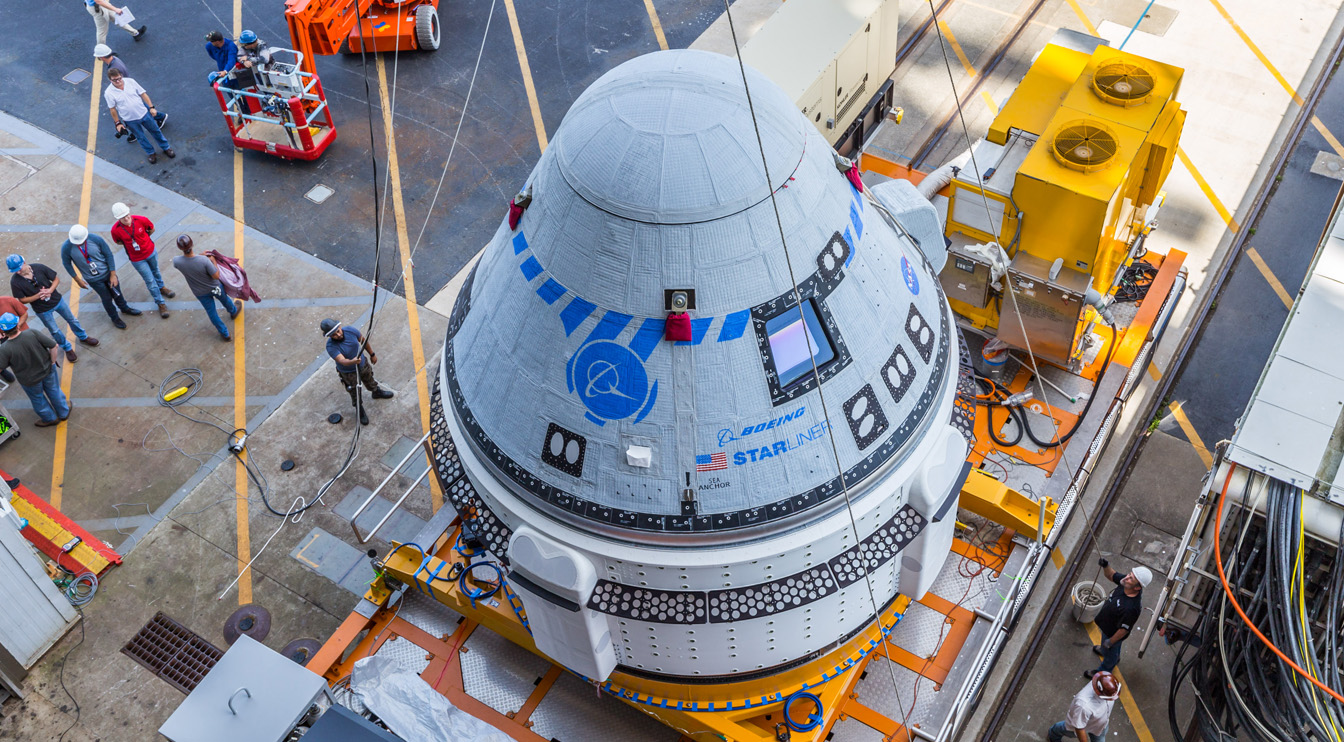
[(989, 498)]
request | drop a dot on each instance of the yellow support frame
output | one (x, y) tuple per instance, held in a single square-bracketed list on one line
[(989, 498)]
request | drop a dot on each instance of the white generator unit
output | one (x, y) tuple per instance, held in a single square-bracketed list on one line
[(834, 58)]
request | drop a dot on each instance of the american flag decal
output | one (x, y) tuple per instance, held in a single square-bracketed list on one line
[(711, 462)]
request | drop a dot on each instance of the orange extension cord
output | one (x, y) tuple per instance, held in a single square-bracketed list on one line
[(1218, 555)]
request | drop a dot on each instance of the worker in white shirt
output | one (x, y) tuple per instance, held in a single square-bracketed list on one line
[(133, 112), (103, 13), (1090, 713)]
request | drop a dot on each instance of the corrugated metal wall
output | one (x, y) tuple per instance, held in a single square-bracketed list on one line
[(34, 613)]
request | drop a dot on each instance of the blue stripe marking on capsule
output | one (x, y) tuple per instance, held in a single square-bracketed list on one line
[(530, 268), (733, 325), (698, 329), (551, 291), (609, 326), (647, 337), (575, 313), (519, 243)]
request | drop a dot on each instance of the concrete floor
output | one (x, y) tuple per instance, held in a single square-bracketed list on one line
[(122, 477)]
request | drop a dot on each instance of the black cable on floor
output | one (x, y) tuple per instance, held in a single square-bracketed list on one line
[(61, 675)]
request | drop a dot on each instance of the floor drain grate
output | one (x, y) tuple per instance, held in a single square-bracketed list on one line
[(75, 77), (173, 652)]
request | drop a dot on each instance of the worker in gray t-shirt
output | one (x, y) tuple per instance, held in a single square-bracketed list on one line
[(203, 279)]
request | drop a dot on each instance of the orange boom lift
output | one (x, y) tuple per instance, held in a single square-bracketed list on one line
[(354, 26)]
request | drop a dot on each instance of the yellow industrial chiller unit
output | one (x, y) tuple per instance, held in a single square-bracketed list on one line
[(1059, 195)]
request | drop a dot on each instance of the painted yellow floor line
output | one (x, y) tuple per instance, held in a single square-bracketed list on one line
[(1191, 434), (1223, 213), (657, 25), (989, 101), (527, 74), (1329, 138), (1154, 372), (1078, 11), (1131, 706), (1270, 278), (72, 294), (956, 47), (1246, 39), (407, 270), (240, 483)]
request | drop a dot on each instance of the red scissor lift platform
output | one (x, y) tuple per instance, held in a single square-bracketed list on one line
[(284, 113)]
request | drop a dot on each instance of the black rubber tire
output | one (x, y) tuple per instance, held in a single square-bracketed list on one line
[(17, 433), (427, 27)]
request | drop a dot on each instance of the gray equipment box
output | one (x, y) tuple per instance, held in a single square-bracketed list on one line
[(1047, 309), (965, 277)]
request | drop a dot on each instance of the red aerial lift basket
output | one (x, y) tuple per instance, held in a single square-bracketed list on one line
[(284, 113)]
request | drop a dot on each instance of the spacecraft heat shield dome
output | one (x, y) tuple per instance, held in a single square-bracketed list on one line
[(573, 415)]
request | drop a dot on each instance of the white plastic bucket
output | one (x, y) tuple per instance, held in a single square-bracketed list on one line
[(1093, 591)]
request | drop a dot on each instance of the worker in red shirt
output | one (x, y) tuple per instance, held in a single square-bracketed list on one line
[(133, 233)]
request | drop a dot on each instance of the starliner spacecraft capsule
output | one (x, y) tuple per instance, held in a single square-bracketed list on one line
[(742, 502)]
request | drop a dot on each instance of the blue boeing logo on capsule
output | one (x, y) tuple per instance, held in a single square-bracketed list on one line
[(611, 382)]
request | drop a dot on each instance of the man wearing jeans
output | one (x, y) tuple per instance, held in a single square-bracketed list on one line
[(133, 111), (133, 233), (89, 261), (32, 357), (1118, 614), (35, 284), (203, 279), (1089, 714)]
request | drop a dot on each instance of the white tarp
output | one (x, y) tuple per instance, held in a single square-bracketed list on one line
[(412, 709)]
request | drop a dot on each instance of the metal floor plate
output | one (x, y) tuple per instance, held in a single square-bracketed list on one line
[(853, 730), (919, 631), (877, 693), (408, 655), (499, 673), (573, 712), (428, 614), (951, 585)]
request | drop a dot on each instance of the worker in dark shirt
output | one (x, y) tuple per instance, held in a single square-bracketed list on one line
[(354, 363), (1119, 614), (33, 357)]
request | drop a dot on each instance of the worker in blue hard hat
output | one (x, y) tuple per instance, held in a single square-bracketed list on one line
[(34, 359), (35, 285), (253, 54)]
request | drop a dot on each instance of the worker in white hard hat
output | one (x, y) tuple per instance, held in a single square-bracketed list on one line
[(1119, 613), (88, 260), (110, 60)]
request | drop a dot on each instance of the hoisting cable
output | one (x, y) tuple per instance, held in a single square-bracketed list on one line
[(812, 358)]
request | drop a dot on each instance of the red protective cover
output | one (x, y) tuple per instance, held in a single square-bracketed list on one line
[(853, 174), (678, 327), (515, 215)]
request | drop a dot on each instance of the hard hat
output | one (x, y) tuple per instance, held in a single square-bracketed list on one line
[(14, 262), (210, 78), (1143, 575), (8, 321), (102, 50), (78, 234), (328, 326), (120, 210), (247, 37), (1106, 685)]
